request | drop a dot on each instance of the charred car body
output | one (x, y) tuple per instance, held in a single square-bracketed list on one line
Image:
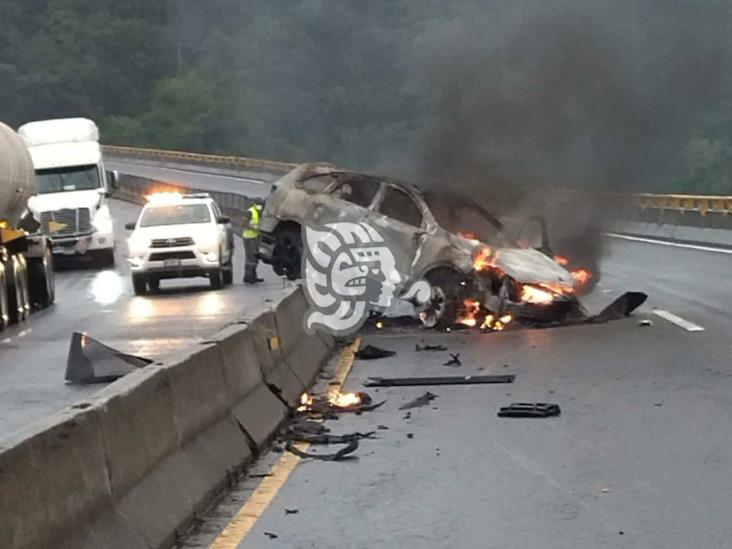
[(478, 275)]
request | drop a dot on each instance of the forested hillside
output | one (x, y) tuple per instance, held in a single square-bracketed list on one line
[(403, 86)]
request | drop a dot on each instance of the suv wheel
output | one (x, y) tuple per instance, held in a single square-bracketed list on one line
[(139, 283), (287, 253), (216, 278)]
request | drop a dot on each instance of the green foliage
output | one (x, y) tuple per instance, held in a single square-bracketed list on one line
[(284, 79)]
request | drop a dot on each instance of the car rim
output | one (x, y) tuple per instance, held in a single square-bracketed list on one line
[(435, 308)]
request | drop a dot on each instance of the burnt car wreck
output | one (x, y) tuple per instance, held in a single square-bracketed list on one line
[(479, 275)]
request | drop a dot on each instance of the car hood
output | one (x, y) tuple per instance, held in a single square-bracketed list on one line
[(529, 266)]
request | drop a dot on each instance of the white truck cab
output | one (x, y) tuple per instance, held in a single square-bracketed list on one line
[(72, 199)]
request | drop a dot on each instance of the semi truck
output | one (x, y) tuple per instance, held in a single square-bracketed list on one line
[(72, 195), (26, 259)]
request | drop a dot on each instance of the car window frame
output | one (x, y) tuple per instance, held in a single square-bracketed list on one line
[(415, 200), (336, 184)]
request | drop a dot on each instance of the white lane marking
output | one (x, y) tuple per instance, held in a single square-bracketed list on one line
[(672, 244), (685, 324)]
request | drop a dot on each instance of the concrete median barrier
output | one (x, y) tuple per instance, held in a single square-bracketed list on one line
[(132, 466)]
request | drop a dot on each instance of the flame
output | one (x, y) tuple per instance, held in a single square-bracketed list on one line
[(471, 308), (164, 197), (532, 294), (581, 276), (483, 259), (344, 400), (563, 261), (496, 324), (305, 402), (379, 325)]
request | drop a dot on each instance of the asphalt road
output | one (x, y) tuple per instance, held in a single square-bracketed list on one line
[(639, 458), (102, 303)]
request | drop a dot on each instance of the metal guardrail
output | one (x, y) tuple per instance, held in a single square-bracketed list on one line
[(681, 203), (678, 203), (240, 162)]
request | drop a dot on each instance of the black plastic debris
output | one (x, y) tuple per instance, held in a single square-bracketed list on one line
[(420, 401), (270, 535), (292, 511), (343, 453), (621, 307), (439, 380), (419, 348), (454, 360), (371, 352), (90, 361), (530, 409)]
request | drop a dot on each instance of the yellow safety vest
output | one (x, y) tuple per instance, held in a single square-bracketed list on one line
[(252, 230)]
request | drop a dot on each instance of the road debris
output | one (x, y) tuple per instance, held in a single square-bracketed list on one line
[(530, 409), (408, 415), (645, 322), (382, 427), (292, 511), (418, 402), (438, 380), (419, 348), (454, 360), (329, 406), (270, 535), (342, 454), (371, 352), (410, 435), (90, 361)]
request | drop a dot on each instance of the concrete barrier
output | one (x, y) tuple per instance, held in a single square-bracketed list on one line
[(132, 466)]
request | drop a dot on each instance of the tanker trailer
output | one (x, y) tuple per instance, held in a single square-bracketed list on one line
[(26, 258)]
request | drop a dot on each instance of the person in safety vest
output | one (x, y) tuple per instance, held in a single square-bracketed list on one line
[(250, 234)]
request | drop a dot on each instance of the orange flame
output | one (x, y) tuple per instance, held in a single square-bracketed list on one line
[(532, 294), (483, 259), (581, 276), (563, 261), (344, 400), (471, 308)]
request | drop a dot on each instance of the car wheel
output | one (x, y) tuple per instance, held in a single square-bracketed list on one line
[(103, 258), (153, 283), (216, 278), (139, 283), (228, 271), (18, 296), (447, 294), (287, 253)]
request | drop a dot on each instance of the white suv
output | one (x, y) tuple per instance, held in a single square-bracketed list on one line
[(180, 236)]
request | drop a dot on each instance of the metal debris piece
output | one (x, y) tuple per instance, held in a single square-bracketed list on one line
[(621, 307), (90, 361), (341, 454), (530, 409), (292, 511), (418, 402), (382, 427), (371, 352), (408, 415), (260, 475), (645, 322), (454, 360), (410, 435), (419, 348), (270, 535), (327, 438), (439, 380)]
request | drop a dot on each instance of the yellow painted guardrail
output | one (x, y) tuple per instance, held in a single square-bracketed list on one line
[(701, 204), (197, 158)]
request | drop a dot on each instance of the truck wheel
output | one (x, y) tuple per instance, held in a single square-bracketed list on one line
[(442, 310), (139, 283), (4, 313), (103, 258), (216, 278), (42, 280), (287, 253), (18, 298)]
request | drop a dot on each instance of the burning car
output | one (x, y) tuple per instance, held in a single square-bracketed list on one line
[(478, 275)]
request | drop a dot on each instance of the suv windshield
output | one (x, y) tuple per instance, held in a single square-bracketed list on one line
[(75, 178), (179, 214)]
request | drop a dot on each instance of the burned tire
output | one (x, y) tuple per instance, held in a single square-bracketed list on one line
[(42, 280), (287, 253), (442, 310), (17, 284), (139, 283)]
